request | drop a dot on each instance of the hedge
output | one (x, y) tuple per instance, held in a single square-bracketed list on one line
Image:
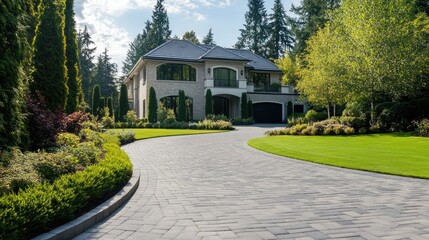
[(37, 209)]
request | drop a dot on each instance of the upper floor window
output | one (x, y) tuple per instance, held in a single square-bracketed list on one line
[(224, 77), (176, 72)]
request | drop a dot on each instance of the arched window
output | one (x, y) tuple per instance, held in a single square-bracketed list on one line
[(176, 72), (225, 77)]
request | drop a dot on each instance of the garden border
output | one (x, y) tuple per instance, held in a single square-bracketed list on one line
[(96, 215)]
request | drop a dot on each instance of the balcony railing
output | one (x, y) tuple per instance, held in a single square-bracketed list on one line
[(226, 83), (273, 88)]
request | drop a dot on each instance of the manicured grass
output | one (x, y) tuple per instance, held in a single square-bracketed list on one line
[(144, 133), (397, 153)]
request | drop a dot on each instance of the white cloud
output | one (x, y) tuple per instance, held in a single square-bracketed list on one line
[(99, 16)]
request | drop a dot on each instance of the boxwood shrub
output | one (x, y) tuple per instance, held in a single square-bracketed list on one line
[(38, 208)]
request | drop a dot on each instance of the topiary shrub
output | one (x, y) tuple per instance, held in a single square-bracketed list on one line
[(123, 106), (181, 111), (244, 106), (209, 102), (153, 106)]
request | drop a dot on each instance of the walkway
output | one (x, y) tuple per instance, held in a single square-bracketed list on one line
[(216, 187)]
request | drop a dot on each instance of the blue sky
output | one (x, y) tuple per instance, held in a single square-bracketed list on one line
[(115, 23)]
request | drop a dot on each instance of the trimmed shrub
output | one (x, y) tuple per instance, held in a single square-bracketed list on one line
[(67, 140), (96, 96), (181, 111), (73, 122), (244, 106), (217, 117), (153, 106), (43, 125), (125, 137), (326, 127), (250, 106), (313, 116), (214, 125), (38, 208), (242, 121), (209, 102), (354, 122), (123, 106), (422, 128)]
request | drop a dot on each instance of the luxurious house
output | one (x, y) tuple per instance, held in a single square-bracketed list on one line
[(181, 65)]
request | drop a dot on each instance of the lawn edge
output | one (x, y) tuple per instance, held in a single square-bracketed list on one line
[(333, 165)]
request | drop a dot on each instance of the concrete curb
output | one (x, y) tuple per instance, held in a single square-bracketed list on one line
[(96, 215)]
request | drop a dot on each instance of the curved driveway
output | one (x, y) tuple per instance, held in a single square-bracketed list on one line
[(216, 187)]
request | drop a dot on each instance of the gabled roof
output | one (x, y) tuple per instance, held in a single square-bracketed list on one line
[(182, 50)]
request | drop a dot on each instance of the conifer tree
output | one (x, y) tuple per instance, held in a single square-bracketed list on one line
[(312, 15), (280, 37), (50, 72), (254, 35), (250, 108), (191, 37), (105, 74), (11, 86), (153, 106), (208, 39), (110, 106), (96, 95), (123, 103), (72, 60), (160, 30), (86, 57), (139, 47), (209, 102), (244, 107), (181, 112)]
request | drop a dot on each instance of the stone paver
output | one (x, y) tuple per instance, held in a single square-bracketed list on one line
[(216, 187)]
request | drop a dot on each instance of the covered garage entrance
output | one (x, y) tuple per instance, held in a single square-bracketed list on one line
[(268, 112)]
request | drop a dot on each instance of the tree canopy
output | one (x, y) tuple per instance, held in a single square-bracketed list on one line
[(209, 39), (191, 36)]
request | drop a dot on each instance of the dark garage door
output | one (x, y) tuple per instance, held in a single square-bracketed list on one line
[(267, 112)]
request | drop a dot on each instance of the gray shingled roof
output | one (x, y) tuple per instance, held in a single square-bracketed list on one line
[(220, 53), (257, 62), (182, 50), (176, 50)]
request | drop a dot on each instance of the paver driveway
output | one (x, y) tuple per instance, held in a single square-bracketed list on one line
[(216, 187)]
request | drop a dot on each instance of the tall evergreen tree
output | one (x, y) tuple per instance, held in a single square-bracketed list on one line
[(12, 54), (312, 15), (139, 47), (254, 35), (110, 106), (72, 60), (86, 57), (181, 112), (153, 106), (96, 96), (208, 39), (209, 102), (105, 74), (160, 30), (280, 37), (191, 36), (244, 106), (123, 103), (50, 72)]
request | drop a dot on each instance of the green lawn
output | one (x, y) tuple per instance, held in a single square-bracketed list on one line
[(144, 133), (398, 153)]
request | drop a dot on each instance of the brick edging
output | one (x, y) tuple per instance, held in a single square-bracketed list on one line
[(96, 215)]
